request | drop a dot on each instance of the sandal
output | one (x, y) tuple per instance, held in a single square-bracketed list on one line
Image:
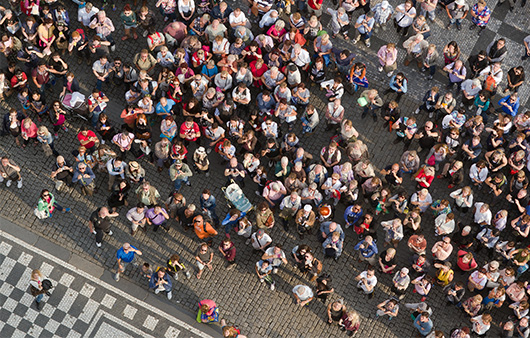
[(346, 37)]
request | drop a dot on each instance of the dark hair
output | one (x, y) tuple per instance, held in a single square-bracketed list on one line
[(140, 205)]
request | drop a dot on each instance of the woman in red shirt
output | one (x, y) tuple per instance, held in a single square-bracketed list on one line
[(424, 177), (258, 68)]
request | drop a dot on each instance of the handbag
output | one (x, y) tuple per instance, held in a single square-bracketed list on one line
[(362, 101), (40, 214), (47, 149), (431, 161)]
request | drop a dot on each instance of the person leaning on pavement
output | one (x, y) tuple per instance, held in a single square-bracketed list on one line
[(85, 176), (125, 255), (137, 218), (203, 229), (160, 281), (203, 258), (179, 173), (366, 282), (99, 223), (157, 216), (11, 171)]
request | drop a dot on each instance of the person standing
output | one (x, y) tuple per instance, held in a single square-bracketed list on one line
[(99, 223), (47, 205), (137, 218), (204, 258), (160, 281), (157, 216), (125, 255), (228, 250), (11, 171), (39, 287)]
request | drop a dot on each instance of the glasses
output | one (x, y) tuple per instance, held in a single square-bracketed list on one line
[(45, 195), (56, 105)]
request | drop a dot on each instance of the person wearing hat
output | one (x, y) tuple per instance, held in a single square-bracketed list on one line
[(401, 282), (303, 294), (179, 173), (456, 11), (382, 14), (305, 220), (201, 163), (260, 240)]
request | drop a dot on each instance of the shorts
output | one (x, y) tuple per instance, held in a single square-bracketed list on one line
[(200, 265)]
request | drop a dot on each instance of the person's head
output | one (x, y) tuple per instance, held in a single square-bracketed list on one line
[(446, 241), (36, 274), (424, 317), (370, 272)]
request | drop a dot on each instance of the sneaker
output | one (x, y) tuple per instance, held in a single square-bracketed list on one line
[(367, 43), (117, 277), (272, 287), (261, 280), (271, 163), (157, 291), (209, 150), (166, 18), (417, 111), (257, 193), (65, 210), (98, 244), (247, 242), (207, 174), (110, 233), (102, 141), (401, 297), (380, 69), (275, 270), (19, 184), (356, 40), (65, 129), (56, 136), (8, 183), (113, 48), (430, 77), (231, 266), (389, 74), (144, 34), (169, 295), (431, 114), (188, 275), (188, 183)]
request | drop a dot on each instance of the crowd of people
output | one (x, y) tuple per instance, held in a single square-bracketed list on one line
[(241, 82)]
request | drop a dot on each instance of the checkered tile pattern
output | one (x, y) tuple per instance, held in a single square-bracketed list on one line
[(76, 306)]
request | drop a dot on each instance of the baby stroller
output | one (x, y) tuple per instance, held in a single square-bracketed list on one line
[(237, 198), (75, 103)]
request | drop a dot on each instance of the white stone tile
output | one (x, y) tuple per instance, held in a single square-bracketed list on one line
[(150, 322), (6, 267), (52, 325), (25, 258), (172, 332), (10, 304), (87, 290), (5, 248), (68, 300), (129, 312), (14, 320), (108, 301), (46, 269), (66, 280), (88, 311)]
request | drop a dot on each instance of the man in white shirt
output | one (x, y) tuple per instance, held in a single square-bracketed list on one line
[(300, 57), (276, 256), (367, 282), (482, 214), (260, 240), (444, 224), (136, 216), (115, 167)]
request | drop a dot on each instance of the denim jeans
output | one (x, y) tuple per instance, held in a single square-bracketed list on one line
[(457, 21), (178, 183), (432, 14), (39, 298)]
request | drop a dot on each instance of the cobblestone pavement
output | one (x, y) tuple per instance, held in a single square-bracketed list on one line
[(80, 305), (242, 299)]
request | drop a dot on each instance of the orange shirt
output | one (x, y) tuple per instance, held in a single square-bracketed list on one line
[(203, 229)]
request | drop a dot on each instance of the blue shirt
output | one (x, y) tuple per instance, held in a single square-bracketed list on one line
[(514, 106), (126, 257), (423, 327), (352, 217), (361, 28), (369, 251), (165, 110)]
